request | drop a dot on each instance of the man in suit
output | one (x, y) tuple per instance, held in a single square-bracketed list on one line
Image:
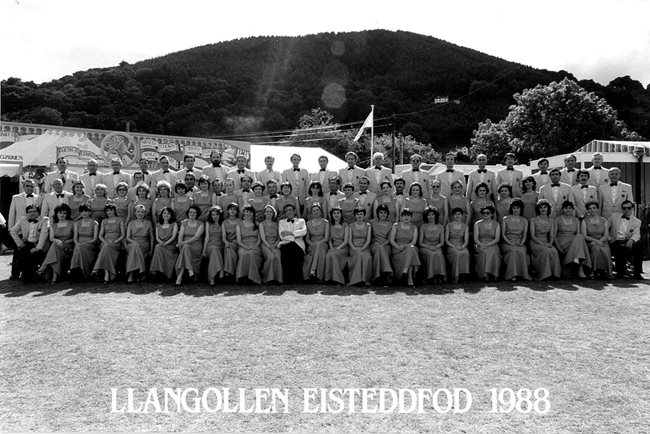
[(164, 174), (54, 199), (188, 162), (510, 175), (625, 240), (352, 173), (91, 178), (612, 195), (377, 173), (449, 176), (31, 235), (598, 175), (240, 170), (415, 174), (335, 193), (20, 201), (298, 178), (366, 197), (215, 170), (583, 193), (292, 230), (323, 175), (144, 168), (570, 173), (269, 173), (115, 177), (556, 192), (272, 191), (481, 175), (66, 176), (542, 177)]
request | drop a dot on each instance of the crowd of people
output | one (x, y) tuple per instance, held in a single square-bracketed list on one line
[(355, 226)]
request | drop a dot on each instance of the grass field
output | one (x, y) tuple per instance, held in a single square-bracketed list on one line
[(62, 349)]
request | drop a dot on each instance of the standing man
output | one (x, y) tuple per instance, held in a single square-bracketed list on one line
[(415, 174), (91, 178), (335, 193), (31, 235), (481, 175), (298, 178), (377, 173), (20, 201), (542, 177), (323, 175), (612, 195), (144, 168), (115, 177), (66, 176), (269, 173), (164, 174), (510, 175), (556, 192), (188, 162), (292, 246), (583, 193), (54, 199), (214, 170), (449, 176), (366, 197), (570, 173), (625, 241), (598, 175), (239, 171), (352, 173)]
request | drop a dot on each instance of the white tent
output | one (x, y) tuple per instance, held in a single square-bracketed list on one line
[(41, 149), (283, 155)]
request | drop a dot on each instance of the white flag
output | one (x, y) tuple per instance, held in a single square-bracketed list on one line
[(366, 124)]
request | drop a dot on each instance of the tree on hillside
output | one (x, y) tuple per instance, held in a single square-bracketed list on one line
[(548, 120), (315, 129)]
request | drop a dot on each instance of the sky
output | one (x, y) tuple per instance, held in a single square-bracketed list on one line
[(593, 39)]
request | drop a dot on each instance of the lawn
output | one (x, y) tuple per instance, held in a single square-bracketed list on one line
[(63, 348)]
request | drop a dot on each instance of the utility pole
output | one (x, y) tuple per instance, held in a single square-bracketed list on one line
[(393, 141), (401, 149)]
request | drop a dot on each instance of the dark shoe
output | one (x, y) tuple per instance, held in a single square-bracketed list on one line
[(638, 277)]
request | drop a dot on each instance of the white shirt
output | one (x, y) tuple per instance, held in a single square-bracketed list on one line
[(32, 235), (298, 228), (621, 235), (614, 191)]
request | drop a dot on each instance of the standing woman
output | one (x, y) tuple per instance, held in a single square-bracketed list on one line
[(416, 204), (544, 257), (163, 199), (181, 202), (431, 242), (481, 201), (360, 260), (529, 197), (286, 189), (270, 236), (439, 202), (165, 253), (139, 244), (98, 203), (348, 203), (142, 198), (78, 197), (595, 229), (382, 269), (86, 231), (213, 244), (514, 228), (122, 202), (570, 243), (456, 239), (203, 198), (257, 201), (317, 238), (111, 234), (387, 198), (457, 200), (229, 236), (190, 243), (229, 196), (57, 260), (315, 196), (337, 255), (504, 201), (487, 257), (249, 253), (403, 237)]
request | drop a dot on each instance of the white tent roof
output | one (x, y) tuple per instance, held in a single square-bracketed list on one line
[(613, 152), (282, 155), (40, 150)]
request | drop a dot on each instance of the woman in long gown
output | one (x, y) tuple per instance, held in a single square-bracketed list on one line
[(348, 204), (139, 244), (456, 239), (249, 254), (403, 238), (544, 256), (213, 244), (78, 198), (337, 255), (382, 269), (190, 244), (111, 234), (287, 197), (57, 261), (229, 237), (98, 203), (86, 231), (122, 202), (387, 198), (439, 202), (595, 229), (316, 240), (163, 199), (203, 198), (529, 197), (503, 202), (431, 241), (270, 236), (481, 200), (457, 199), (416, 203), (487, 257), (258, 201), (570, 243), (315, 196), (181, 203), (165, 253), (360, 260), (514, 229), (142, 198)]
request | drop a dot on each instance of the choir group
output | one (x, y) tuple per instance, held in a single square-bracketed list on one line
[(354, 226)]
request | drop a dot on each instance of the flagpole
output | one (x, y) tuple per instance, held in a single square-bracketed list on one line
[(372, 133)]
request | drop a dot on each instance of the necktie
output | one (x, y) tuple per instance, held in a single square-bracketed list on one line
[(190, 170), (63, 177)]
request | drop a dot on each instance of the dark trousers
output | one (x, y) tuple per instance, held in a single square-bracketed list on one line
[(26, 262), (292, 257), (621, 253), (6, 239)]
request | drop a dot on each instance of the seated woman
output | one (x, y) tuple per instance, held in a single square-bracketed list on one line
[(360, 260), (249, 254), (487, 256), (213, 244), (190, 244), (431, 242), (57, 261), (165, 253), (403, 237), (139, 244), (544, 256), (229, 237), (456, 239), (270, 236), (316, 240), (203, 197), (78, 198), (382, 268), (337, 255), (595, 229), (86, 231), (111, 235), (570, 243), (514, 229)]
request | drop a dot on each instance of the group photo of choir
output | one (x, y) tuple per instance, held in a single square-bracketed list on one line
[(355, 226)]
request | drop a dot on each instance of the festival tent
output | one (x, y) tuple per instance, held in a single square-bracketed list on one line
[(282, 155), (41, 149)]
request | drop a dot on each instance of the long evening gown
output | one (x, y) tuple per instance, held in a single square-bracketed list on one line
[(250, 260), (407, 257), (164, 257), (336, 259), (572, 242), (58, 256), (315, 256), (189, 257), (84, 255), (601, 256), (136, 253), (230, 252), (458, 259), (515, 258), (360, 262), (214, 250), (433, 261), (380, 248), (272, 268), (545, 260), (109, 252)]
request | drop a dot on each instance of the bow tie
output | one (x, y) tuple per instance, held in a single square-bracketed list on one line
[(350, 168), (450, 170), (363, 192), (584, 186), (510, 168), (570, 170), (378, 167), (145, 172), (289, 220), (165, 171), (597, 168), (116, 173), (322, 170), (62, 173), (273, 196), (296, 170), (60, 195), (29, 195), (614, 184), (555, 185), (32, 220), (241, 170), (416, 170), (482, 170), (189, 170), (246, 190), (333, 193), (543, 173), (216, 165), (625, 217), (92, 174)]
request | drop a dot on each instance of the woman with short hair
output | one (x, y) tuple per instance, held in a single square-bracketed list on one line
[(514, 228), (213, 244), (270, 236), (595, 229), (544, 256), (229, 237), (456, 239), (57, 261), (249, 254), (403, 238), (165, 253), (318, 234), (337, 255), (487, 257), (431, 241), (570, 243), (84, 254), (359, 259), (382, 268), (190, 237), (139, 243), (78, 198), (111, 235)]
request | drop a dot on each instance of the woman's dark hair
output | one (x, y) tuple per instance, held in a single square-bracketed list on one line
[(592, 202), (523, 184), (516, 202), (457, 209), (382, 207), (415, 184), (436, 214), (348, 185), (142, 187), (543, 202), (195, 208), (316, 205), (381, 184), (481, 185), (62, 207), (286, 184), (359, 210), (313, 185), (172, 215), (251, 209), (506, 186), (406, 211), (233, 205), (336, 208), (85, 207), (219, 210), (257, 184), (567, 204), (180, 184), (203, 178), (488, 207), (110, 206)]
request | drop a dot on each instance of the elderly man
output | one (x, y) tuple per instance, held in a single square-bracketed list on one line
[(598, 175), (613, 194), (240, 170), (415, 174), (66, 176), (352, 173), (377, 173), (481, 175), (570, 173), (91, 178), (54, 199), (625, 240)]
